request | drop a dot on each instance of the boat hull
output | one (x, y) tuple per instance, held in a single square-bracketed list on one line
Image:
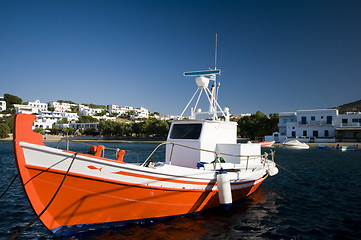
[(83, 201), (105, 192)]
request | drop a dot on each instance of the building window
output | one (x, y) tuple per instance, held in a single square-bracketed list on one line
[(284, 120), (303, 120), (304, 133), (329, 120), (313, 118), (315, 133), (326, 133), (321, 117), (355, 120), (344, 120)]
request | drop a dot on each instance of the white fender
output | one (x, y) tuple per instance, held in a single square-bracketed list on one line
[(224, 188), (272, 171)]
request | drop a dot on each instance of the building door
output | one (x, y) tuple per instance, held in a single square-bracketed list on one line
[(315, 133), (293, 133)]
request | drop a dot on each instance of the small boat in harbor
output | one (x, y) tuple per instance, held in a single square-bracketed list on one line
[(204, 168), (295, 144), (263, 144), (347, 147)]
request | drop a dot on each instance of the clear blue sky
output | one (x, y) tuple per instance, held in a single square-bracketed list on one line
[(275, 56)]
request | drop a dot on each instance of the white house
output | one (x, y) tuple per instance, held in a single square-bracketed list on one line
[(47, 119), (87, 111), (320, 125), (31, 107), (70, 116), (349, 126), (141, 113), (19, 108), (38, 106), (2, 105), (61, 107)]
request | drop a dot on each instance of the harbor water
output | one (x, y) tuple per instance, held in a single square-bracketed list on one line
[(315, 195)]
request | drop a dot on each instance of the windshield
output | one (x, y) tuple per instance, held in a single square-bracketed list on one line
[(186, 131)]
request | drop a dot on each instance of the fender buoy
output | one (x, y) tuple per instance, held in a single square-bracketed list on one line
[(224, 188)]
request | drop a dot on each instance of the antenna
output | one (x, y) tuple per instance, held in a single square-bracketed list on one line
[(215, 55)]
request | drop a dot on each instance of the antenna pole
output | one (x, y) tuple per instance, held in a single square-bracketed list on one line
[(215, 55)]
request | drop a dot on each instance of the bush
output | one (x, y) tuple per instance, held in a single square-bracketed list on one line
[(4, 130)]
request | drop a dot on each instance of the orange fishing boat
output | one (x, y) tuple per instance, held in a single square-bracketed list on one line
[(204, 167)]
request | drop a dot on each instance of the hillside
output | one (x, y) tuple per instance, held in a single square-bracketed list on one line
[(350, 107)]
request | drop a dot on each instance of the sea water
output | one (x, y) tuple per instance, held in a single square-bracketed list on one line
[(316, 195)]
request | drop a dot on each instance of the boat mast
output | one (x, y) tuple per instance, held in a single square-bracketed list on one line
[(202, 80)]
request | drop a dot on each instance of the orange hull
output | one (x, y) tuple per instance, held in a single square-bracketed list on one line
[(87, 200)]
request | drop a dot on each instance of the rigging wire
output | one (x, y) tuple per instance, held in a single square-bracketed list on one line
[(9, 185), (18, 233)]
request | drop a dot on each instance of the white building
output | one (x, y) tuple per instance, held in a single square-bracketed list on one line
[(70, 116), (141, 113), (19, 108), (31, 107), (47, 119), (38, 106), (61, 107), (349, 126), (2, 105), (83, 126), (87, 111), (119, 110), (320, 125)]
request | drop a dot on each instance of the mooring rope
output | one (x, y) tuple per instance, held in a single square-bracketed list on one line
[(9, 185), (18, 233)]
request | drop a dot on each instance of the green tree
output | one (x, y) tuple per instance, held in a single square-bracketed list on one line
[(4, 130), (63, 121), (257, 125), (91, 131), (11, 100), (68, 131), (8, 120), (39, 130), (87, 119)]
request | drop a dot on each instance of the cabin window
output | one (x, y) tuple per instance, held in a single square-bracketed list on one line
[(186, 131)]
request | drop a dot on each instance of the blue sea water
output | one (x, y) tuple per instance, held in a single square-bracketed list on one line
[(316, 195)]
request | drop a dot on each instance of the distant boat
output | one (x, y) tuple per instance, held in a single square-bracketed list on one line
[(321, 147), (263, 144), (347, 147), (295, 144)]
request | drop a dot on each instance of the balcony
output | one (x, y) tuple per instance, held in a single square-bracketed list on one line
[(316, 123), (350, 125)]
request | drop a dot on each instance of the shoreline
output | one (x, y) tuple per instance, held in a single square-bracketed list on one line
[(56, 138)]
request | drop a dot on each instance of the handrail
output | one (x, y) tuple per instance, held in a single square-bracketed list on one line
[(218, 154), (104, 147)]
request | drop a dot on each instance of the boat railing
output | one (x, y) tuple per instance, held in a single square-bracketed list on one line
[(104, 148), (218, 154)]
